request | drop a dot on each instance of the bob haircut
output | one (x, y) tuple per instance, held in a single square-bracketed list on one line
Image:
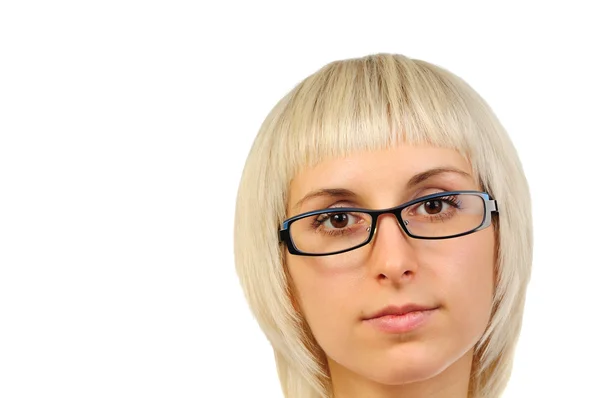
[(370, 103)]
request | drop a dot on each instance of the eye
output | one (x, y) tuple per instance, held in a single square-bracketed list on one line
[(431, 207), (340, 220), (436, 206)]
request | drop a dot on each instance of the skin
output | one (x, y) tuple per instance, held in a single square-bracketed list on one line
[(336, 293)]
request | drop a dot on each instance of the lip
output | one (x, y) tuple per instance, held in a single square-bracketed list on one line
[(393, 319)]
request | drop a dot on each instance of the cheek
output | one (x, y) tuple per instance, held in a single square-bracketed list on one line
[(469, 282), (325, 289)]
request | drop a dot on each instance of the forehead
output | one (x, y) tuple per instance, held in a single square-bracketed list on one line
[(383, 172)]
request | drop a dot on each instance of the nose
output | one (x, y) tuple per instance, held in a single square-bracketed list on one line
[(393, 259)]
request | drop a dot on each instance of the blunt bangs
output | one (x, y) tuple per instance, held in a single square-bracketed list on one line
[(371, 103)]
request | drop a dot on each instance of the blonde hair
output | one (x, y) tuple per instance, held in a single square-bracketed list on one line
[(372, 103)]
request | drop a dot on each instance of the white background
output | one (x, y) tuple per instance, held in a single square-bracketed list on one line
[(124, 127)]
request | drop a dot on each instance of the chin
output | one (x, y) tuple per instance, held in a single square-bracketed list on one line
[(404, 365), (408, 372)]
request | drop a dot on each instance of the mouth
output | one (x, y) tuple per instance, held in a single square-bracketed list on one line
[(401, 319)]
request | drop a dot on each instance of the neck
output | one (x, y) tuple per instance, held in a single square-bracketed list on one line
[(452, 382)]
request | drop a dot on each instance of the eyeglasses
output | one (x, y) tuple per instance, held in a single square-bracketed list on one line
[(441, 215)]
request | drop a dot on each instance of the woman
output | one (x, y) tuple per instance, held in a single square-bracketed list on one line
[(383, 234)]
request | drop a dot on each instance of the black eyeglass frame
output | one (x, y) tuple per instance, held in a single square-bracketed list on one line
[(490, 206)]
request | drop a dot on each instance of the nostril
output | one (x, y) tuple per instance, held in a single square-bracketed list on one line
[(405, 275)]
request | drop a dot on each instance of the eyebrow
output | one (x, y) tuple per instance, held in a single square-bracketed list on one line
[(346, 193)]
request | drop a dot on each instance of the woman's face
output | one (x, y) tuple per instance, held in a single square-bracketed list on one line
[(452, 279)]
